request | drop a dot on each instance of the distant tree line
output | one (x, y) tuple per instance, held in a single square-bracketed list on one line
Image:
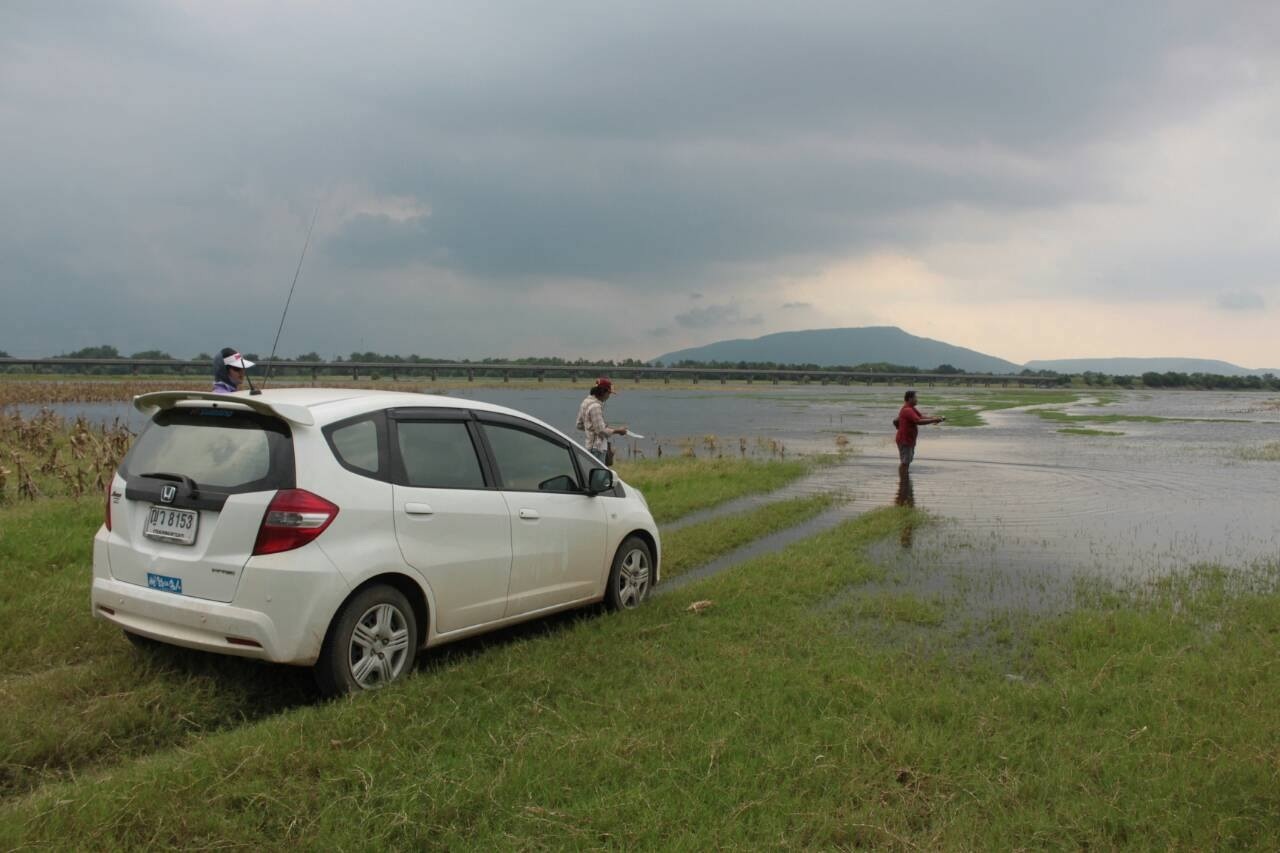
[(300, 365)]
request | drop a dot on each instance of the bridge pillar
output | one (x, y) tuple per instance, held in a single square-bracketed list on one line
[(506, 376)]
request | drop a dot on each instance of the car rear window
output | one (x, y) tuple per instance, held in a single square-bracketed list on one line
[(217, 448)]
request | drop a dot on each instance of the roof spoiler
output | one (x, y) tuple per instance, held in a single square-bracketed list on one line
[(300, 415)]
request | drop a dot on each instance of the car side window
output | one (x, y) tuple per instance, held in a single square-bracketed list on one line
[(439, 455), (356, 445), (531, 463)]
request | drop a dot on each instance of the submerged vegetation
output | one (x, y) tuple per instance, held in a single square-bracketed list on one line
[(1269, 452), (1085, 431)]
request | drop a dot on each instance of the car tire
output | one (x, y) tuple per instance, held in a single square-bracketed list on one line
[(631, 576), (372, 642)]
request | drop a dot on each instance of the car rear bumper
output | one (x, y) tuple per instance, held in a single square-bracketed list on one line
[(288, 624)]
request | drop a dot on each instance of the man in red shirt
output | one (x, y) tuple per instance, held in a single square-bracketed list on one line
[(908, 422)]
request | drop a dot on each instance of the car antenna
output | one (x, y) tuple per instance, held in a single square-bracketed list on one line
[(253, 392)]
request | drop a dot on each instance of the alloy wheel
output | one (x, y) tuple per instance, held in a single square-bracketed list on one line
[(379, 646)]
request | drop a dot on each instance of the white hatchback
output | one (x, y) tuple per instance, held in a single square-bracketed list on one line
[(347, 529)]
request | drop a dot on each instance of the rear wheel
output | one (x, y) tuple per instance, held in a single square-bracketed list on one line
[(373, 642), (631, 576)]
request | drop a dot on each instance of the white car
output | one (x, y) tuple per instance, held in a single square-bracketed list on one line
[(347, 529)]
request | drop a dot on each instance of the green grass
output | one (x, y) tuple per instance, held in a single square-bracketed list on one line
[(966, 410), (44, 584), (1065, 418), (677, 486), (761, 721), (700, 543), (1082, 431), (78, 696)]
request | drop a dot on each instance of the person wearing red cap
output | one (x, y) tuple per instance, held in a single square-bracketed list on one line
[(591, 420)]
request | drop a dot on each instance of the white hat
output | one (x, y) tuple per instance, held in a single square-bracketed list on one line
[(237, 360)]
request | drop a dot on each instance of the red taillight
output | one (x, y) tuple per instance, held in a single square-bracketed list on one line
[(293, 519), (106, 508)]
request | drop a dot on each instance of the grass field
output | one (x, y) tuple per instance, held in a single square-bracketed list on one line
[(764, 719), (78, 696), (786, 710)]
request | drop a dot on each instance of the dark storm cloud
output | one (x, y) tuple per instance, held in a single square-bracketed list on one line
[(156, 148)]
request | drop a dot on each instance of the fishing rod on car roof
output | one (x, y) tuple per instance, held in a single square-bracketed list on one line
[(272, 360)]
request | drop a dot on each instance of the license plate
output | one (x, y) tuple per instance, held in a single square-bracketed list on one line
[(164, 583), (171, 525)]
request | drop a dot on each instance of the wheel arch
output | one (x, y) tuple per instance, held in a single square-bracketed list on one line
[(652, 542), (406, 586)]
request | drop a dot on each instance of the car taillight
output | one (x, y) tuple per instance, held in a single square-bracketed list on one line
[(293, 518), (106, 507)]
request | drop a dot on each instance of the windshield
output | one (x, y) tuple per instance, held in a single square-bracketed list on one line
[(217, 448)]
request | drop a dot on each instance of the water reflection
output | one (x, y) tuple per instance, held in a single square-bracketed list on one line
[(906, 497)]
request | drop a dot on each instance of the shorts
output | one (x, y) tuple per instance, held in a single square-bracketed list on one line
[(906, 452)]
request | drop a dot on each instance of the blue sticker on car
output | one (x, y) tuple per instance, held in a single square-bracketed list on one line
[(164, 583)]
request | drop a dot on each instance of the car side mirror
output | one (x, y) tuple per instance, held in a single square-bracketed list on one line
[(599, 480)]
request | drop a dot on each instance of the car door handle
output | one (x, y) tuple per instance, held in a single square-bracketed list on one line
[(418, 509), (530, 514)]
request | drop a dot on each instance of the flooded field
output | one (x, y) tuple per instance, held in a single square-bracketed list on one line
[(1141, 484)]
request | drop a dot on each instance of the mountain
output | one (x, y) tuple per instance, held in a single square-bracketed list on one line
[(1139, 366), (866, 345)]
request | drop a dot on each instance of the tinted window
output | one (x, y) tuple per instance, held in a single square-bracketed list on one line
[(528, 462), (438, 455), (357, 445), (218, 448)]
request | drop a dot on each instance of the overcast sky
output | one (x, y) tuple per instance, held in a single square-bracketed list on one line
[(1032, 180)]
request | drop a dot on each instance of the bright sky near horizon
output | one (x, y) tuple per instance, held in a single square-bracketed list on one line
[(1031, 180)]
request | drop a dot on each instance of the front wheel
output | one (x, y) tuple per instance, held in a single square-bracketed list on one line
[(372, 643), (631, 576)]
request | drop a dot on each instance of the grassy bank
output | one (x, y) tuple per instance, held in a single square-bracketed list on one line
[(676, 486), (764, 719), (77, 696)]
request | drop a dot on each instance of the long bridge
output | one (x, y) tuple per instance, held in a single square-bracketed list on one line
[(471, 370)]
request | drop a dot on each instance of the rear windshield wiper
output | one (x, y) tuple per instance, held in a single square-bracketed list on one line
[(192, 489)]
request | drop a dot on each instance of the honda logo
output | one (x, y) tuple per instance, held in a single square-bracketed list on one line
[(167, 494)]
